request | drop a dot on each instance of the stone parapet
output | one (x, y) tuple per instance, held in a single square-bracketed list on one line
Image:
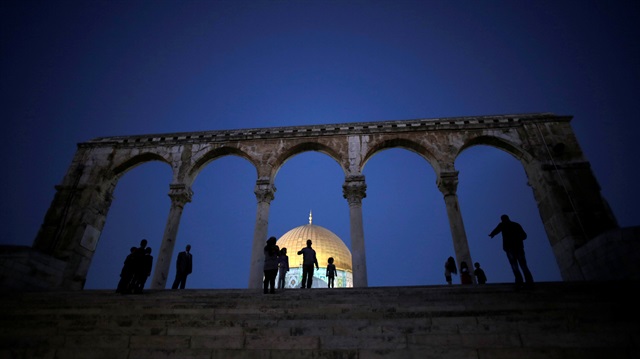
[(449, 123)]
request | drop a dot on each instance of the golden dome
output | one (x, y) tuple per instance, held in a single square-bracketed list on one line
[(325, 243)]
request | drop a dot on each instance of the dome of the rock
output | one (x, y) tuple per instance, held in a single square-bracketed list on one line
[(326, 244)]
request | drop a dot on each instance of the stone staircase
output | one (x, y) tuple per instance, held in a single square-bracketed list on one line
[(554, 320)]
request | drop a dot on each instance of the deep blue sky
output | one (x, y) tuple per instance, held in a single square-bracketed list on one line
[(73, 71)]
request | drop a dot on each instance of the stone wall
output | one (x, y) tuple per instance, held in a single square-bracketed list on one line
[(24, 268), (613, 255)]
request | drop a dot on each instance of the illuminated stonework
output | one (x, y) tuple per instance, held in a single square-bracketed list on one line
[(543, 143), (326, 244)]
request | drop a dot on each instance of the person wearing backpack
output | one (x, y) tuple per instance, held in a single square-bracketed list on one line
[(513, 236)]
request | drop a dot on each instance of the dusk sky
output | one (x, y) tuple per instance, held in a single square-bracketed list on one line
[(71, 71)]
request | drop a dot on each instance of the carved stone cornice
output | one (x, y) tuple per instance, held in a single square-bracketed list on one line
[(355, 128)]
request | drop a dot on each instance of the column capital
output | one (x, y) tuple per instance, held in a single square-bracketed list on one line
[(354, 189), (265, 191), (180, 194), (448, 183)]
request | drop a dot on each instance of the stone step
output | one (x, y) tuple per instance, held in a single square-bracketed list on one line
[(554, 320)]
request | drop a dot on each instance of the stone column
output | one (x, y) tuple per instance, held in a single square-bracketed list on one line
[(354, 190), (264, 194), (448, 185), (180, 195)]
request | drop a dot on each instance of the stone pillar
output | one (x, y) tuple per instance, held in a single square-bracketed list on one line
[(180, 195), (448, 185), (264, 191), (354, 190)]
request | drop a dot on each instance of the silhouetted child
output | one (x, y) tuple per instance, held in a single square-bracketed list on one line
[(465, 276), (450, 268), (283, 267), (479, 273), (331, 272)]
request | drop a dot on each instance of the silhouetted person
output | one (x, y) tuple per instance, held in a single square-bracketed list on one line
[(479, 273), (465, 276), (283, 267), (184, 266), (126, 274), (450, 268), (271, 252), (136, 264), (512, 237), (331, 272), (143, 271), (308, 261)]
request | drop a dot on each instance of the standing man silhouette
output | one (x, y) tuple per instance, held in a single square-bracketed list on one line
[(271, 252), (512, 237), (308, 261), (137, 262), (184, 265), (143, 271), (127, 272)]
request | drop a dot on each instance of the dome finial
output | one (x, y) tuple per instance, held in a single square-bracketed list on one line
[(310, 217)]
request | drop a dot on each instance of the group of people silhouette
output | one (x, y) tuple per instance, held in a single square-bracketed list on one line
[(276, 263), (513, 236), (465, 275), (136, 269), (137, 265)]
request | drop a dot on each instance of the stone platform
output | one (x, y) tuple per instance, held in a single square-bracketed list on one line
[(554, 320)]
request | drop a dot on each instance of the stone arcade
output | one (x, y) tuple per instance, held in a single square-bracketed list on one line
[(583, 231)]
